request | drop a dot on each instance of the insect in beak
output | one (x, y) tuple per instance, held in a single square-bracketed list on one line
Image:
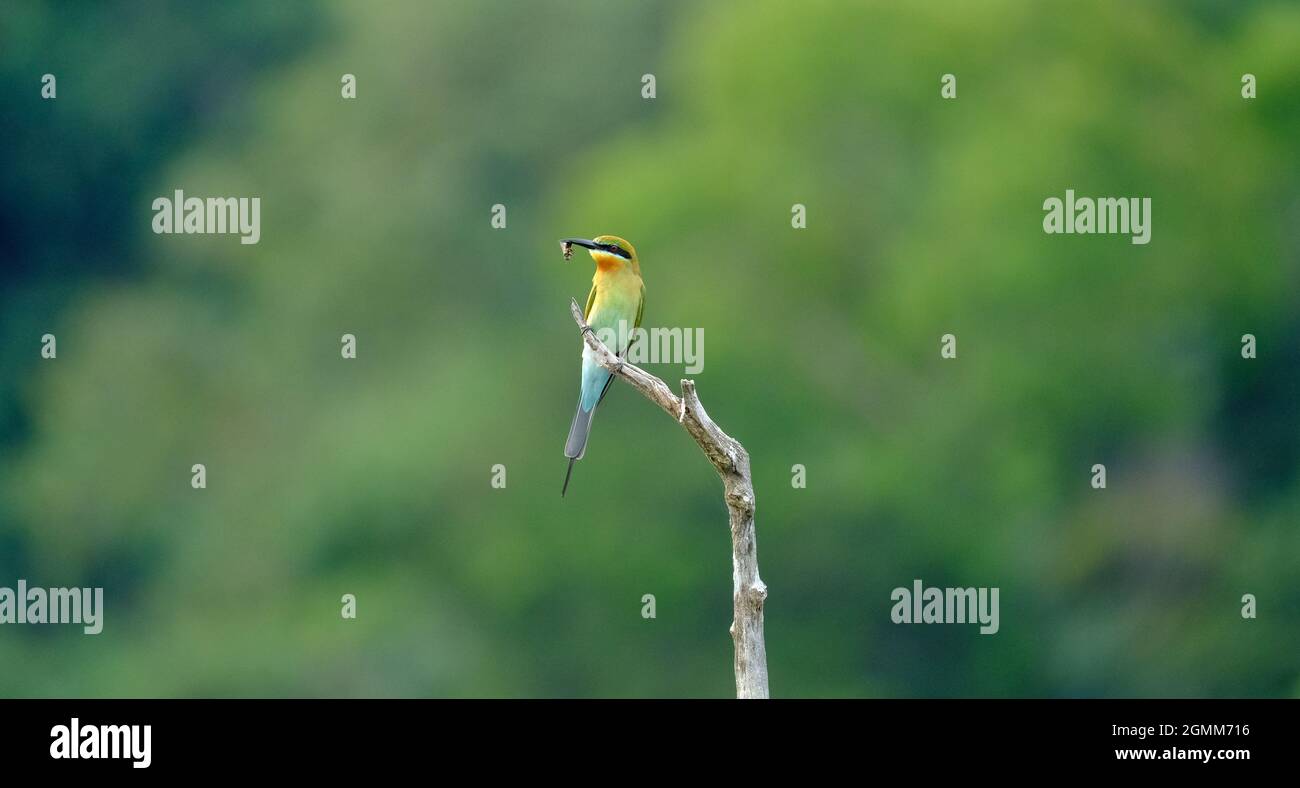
[(567, 244)]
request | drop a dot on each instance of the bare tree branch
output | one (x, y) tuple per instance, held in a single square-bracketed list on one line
[(731, 461)]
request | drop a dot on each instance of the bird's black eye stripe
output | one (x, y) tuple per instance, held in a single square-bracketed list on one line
[(614, 249)]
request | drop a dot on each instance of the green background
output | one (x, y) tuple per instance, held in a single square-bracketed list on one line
[(371, 476)]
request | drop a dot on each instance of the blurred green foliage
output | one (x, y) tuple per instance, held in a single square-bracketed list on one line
[(371, 476)]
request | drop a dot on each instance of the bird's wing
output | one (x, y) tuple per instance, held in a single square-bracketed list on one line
[(640, 307), (591, 299), (640, 310)]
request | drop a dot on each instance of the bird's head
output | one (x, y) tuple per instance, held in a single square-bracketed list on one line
[(609, 251)]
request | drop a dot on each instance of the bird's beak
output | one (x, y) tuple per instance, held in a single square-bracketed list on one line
[(583, 242)]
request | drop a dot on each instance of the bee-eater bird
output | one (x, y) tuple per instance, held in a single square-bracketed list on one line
[(617, 296)]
